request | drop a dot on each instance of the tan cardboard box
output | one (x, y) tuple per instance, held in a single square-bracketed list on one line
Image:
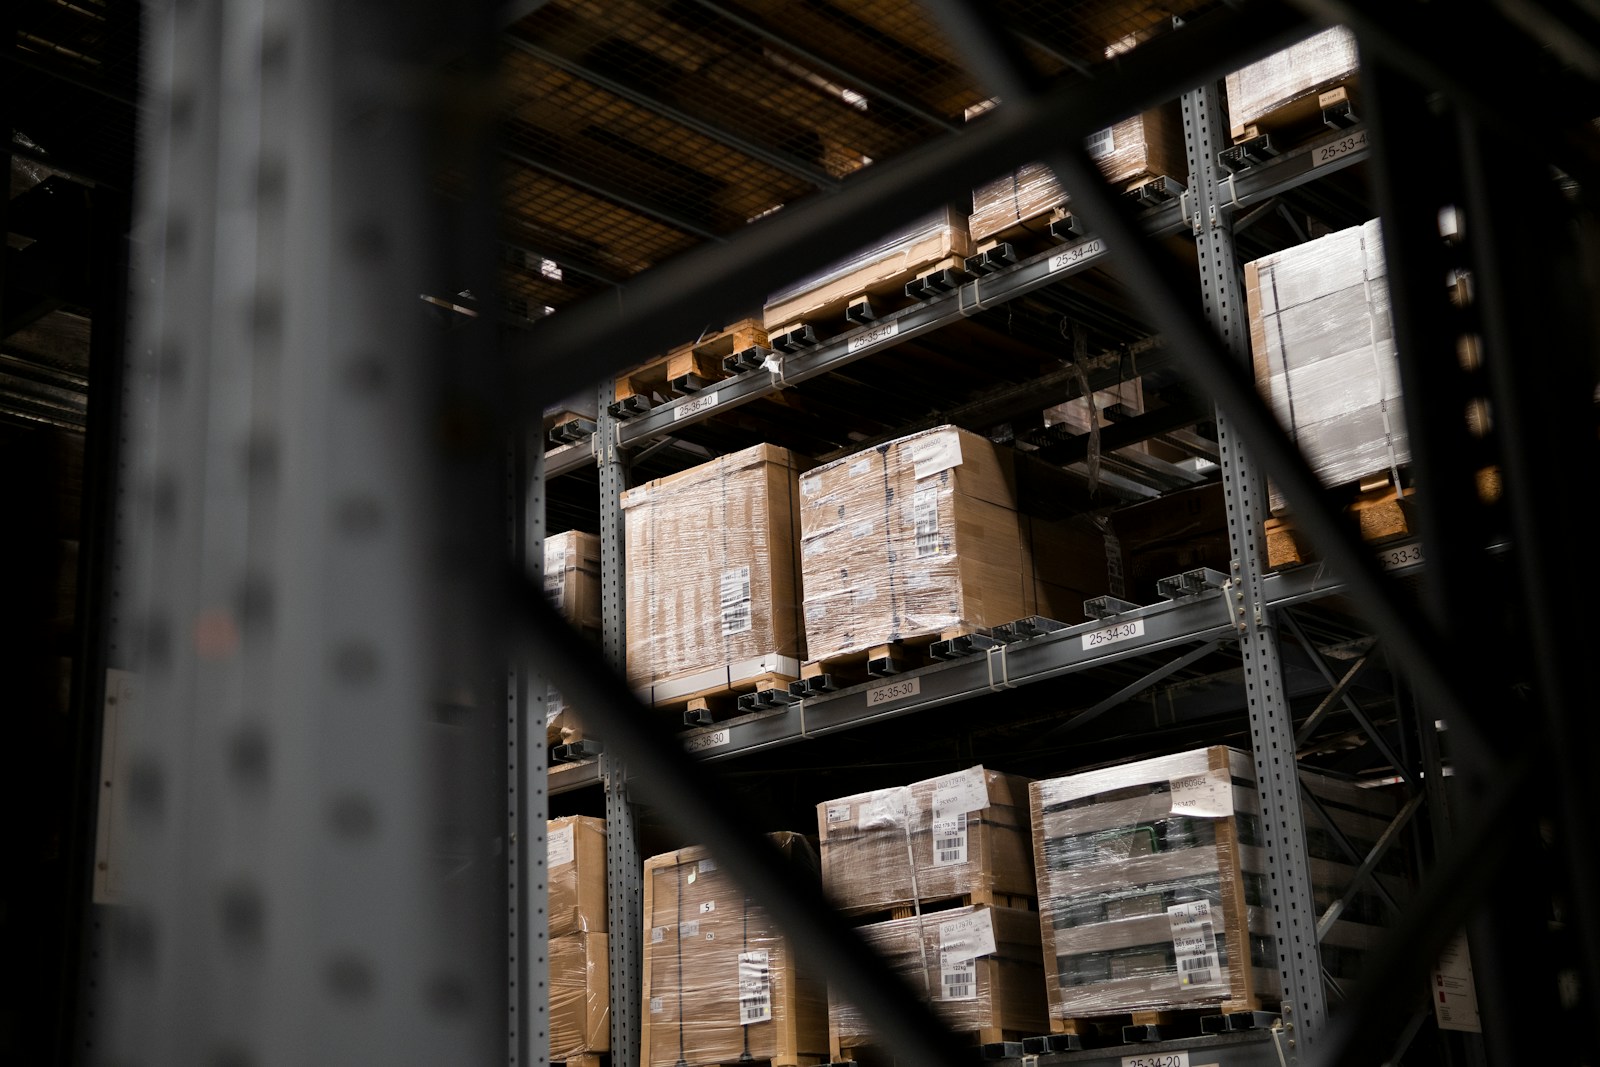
[(576, 869)]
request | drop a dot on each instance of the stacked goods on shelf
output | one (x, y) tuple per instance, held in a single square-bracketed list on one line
[(689, 367), (580, 998), (1290, 88), (713, 584), (1153, 886), (1178, 532), (721, 984), (936, 240), (1135, 150), (1323, 346), (911, 852), (572, 582), (921, 537)]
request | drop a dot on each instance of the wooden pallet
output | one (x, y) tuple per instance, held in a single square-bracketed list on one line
[(1383, 516), (881, 661), (1134, 1026), (1302, 117), (1054, 224), (867, 914), (587, 1059), (692, 367), (871, 1054), (714, 701)]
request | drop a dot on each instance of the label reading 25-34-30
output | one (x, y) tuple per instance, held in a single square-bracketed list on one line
[(1110, 635)]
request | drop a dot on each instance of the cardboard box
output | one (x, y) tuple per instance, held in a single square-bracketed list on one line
[(580, 996), (979, 966), (720, 982), (1323, 345), (959, 835), (1174, 533), (576, 870), (713, 584), (572, 582), (1295, 76)]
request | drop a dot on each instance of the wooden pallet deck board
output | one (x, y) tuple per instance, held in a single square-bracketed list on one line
[(689, 368)]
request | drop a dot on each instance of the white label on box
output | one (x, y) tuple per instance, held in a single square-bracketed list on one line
[(1100, 145), (691, 875), (1455, 997), (958, 978), (925, 515), (863, 594), (689, 929), (703, 402), (707, 866), (755, 987), (935, 454), (1194, 944), (868, 338), (969, 936), (1206, 796), (707, 907), (838, 813), (1076, 254), (1157, 1059), (655, 1005), (950, 840), (885, 808), (560, 848), (860, 467), (888, 694), (735, 601), (810, 484), (966, 790), (714, 739), (1110, 635), (860, 530), (658, 934), (1353, 142)]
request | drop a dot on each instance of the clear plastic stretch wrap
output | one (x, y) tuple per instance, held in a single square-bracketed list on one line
[(572, 582), (721, 984), (576, 870), (1153, 885), (914, 537), (580, 996), (1323, 345), (713, 586), (1296, 73), (894, 258), (934, 840), (979, 967), (1144, 146)]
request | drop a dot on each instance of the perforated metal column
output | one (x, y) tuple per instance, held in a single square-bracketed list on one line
[(315, 768), (528, 802), (1292, 904), (624, 884)]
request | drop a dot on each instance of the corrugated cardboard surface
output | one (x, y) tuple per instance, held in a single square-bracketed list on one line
[(698, 924), (694, 540), (580, 996), (572, 577), (1010, 986), (577, 885), (869, 864), (1299, 71)]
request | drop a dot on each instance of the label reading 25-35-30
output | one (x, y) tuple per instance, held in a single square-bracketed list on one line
[(884, 694)]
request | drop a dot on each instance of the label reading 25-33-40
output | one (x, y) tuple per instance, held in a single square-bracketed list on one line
[(1342, 147)]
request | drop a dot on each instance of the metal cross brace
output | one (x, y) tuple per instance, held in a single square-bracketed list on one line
[(1348, 848), (1341, 693), (1367, 870), (1134, 688)]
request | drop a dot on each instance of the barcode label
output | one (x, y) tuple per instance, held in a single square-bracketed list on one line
[(735, 601), (755, 987), (950, 840), (925, 513), (1100, 145), (1194, 944), (958, 979)]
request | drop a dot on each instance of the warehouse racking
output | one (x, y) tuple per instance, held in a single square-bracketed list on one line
[(379, 629)]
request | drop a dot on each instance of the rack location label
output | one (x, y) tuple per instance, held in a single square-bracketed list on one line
[(1340, 148), (872, 337), (888, 694), (1401, 556), (714, 739), (1157, 1059), (703, 402), (1110, 635), (1076, 254)]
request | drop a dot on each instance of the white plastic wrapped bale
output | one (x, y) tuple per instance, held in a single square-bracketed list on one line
[(1294, 77), (1153, 888), (1323, 345), (883, 266)]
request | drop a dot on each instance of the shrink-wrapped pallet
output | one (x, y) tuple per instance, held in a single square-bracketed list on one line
[(1293, 77), (1147, 145), (1153, 891), (977, 966), (721, 983), (572, 582), (580, 997), (882, 266), (958, 835), (713, 585), (1323, 346), (575, 867)]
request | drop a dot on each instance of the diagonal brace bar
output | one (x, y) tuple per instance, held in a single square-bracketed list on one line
[(1368, 868), (1334, 696), (1134, 688), (1341, 689), (1346, 846)]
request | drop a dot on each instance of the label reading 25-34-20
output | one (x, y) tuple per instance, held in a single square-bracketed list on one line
[(1157, 1059)]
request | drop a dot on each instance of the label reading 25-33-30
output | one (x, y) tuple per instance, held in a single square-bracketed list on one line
[(1342, 147)]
